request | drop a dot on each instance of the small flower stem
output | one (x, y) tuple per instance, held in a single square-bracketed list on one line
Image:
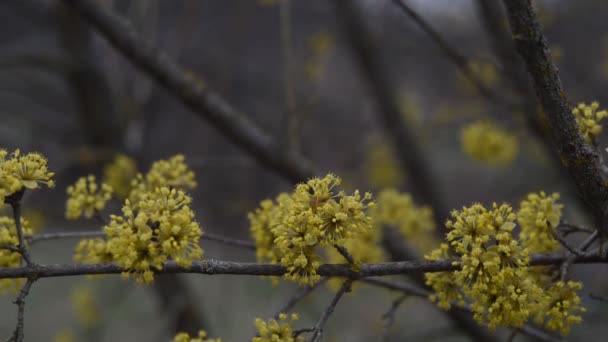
[(16, 206)]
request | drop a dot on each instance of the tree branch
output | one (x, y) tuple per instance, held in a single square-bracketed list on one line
[(100, 234), (580, 159), (20, 302), (213, 267), (318, 328), (192, 92)]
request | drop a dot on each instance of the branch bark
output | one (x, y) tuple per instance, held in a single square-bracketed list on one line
[(579, 159), (214, 267), (192, 92)]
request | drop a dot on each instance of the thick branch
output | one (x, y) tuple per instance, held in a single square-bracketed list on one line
[(192, 92), (213, 267), (580, 159)]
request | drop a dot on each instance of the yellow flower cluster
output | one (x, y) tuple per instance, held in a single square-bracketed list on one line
[(8, 236), (494, 274), (416, 223), (157, 225), (86, 198), (85, 306), (201, 337), (588, 118), (162, 227), (313, 215), (482, 140), (276, 331), (447, 289), (562, 307), (20, 172), (382, 168), (119, 174), (538, 216), (172, 173)]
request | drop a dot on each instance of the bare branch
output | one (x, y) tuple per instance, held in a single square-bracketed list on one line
[(298, 296), (192, 92), (579, 158), (411, 290), (100, 234), (212, 267), (389, 316), (318, 328), (15, 203), (20, 302), (452, 54)]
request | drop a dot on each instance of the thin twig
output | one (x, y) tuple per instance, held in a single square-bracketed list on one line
[(597, 297), (16, 206), (389, 316), (527, 329), (20, 302), (318, 328), (344, 252), (580, 253), (572, 228), (10, 247), (100, 234), (452, 54), (298, 296)]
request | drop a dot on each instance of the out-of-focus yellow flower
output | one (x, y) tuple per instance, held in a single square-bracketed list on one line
[(85, 306), (382, 168), (561, 307), (65, 335), (201, 337), (8, 236), (538, 217), (119, 174), (484, 141)]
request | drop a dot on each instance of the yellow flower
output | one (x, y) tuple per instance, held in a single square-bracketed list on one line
[(64, 336), (290, 229), (173, 173), (161, 228), (85, 306), (8, 236), (22, 171), (484, 141), (92, 251), (588, 118), (276, 331), (316, 215), (447, 289), (381, 166), (416, 223), (538, 216), (87, 198), (201, 337), (119, 174), (561, 307)]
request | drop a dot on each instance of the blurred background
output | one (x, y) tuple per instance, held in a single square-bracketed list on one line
[(293, 67)]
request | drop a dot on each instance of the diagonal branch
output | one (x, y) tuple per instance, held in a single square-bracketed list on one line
[(192, 92), (452, 54), (579, 158), (318, 328)]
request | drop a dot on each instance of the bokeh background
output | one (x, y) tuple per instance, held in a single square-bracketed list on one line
[(64, 91)]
